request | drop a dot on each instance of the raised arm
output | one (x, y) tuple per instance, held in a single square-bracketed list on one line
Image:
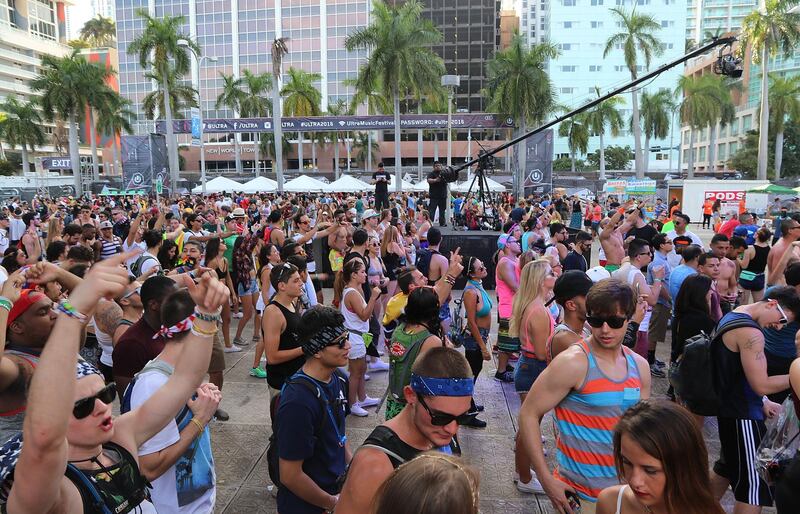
[(9, 372), (444, 285), (39, 472), (137, 221)]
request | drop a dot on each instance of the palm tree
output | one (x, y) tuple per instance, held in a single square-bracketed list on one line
[(655, 112), (302, 98), (61, 82), (99, 32), (267, 145), (2, 150), (726, 114), (576, 130), (114, 121), (181, 97), (255, 104), (636, 38), (365, 148), (698, 106), (518, 85), (376, 103), (784, 101), (398, 40), (98, 96), (336, 108), (22, 127), (605, 114), (279, 50), (231, 97), (768, 31), (164, 48)]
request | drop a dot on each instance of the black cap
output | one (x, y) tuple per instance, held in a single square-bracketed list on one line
[(571, 284)]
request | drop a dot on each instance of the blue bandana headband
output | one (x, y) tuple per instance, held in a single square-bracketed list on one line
[(430, 386)]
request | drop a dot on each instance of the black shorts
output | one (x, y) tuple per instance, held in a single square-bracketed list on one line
[(739, 439), (317, 284)]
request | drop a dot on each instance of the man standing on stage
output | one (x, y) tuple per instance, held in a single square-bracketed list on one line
[(438, 193), (381, 180)]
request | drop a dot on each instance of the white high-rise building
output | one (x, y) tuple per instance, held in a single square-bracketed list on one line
[(80, 13), (580, 29)]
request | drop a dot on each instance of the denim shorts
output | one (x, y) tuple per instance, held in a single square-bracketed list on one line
[(252, 288), (470, 343), (528, 369)]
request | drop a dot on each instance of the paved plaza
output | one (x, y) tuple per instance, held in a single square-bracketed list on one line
[(240, 444)]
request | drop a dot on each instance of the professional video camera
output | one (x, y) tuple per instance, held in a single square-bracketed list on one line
[(728, 64), (449, 174)]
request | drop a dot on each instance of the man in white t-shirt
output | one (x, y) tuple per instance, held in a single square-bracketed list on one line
[(4, 241), (681, 222), (195, 231)]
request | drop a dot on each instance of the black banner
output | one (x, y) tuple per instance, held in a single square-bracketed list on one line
[(538, 172), (341, 123), (143, 159)]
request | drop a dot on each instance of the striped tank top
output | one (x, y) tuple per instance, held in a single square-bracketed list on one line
[(586, 419)]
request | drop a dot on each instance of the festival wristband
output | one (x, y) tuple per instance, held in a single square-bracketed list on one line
[(65, 307), (213, 318), (5, 303)]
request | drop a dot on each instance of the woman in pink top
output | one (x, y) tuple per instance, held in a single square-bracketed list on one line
[(506, 284)]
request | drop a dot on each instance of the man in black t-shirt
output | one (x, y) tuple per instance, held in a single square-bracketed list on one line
[(641, 230), (381, 180), (576, 259), (438, 193)]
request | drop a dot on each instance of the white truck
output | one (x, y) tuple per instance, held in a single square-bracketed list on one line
[(692, 194)]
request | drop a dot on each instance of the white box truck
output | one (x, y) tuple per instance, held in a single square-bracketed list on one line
[(692, 194)]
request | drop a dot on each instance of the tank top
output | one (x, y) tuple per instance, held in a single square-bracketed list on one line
[(563, 327), (106, 344), (758, 263), (526, 346), (277, 374), (586, 419), (736, 398), (486, 301), (619, 499), (385, 437), (403, 351), (505, 296), (352, 321)]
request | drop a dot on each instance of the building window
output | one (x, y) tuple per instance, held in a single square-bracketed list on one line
[(569, 69), (642, 2), (747, 122), (567, 90), (41, 15), (567, 24), (7, 16), (595, 67), (667, 23), (597, 24), (597, 2), (569, 3)]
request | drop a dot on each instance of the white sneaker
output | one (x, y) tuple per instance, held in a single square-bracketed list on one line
[(237, 315), (366, 377), (357, 410), (378, 365), (369, 402), (232, 349), (532, 487)]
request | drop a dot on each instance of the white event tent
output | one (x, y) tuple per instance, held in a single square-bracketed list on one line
[(305, 184), (494, 186), (260, 185), (348, 184), (219, 184)]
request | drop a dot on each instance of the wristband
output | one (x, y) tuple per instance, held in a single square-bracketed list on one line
[(64, 307), (213, 318), (5, 303), (657, 280), (203, 333), (199, 426)]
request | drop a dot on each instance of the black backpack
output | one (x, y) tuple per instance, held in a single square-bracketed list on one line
[(136, 267), (692, 375), (273, 467)]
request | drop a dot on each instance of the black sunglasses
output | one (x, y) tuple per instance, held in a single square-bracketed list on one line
[(442, 419), (85, 406), (613, 321), (340, 340)]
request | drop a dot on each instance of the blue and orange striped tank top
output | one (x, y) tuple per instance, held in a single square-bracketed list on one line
[(586, 419)]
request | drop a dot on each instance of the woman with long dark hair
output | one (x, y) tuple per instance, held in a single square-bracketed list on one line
[(168, 255), (662, 461), (246, 284), (214, 259)]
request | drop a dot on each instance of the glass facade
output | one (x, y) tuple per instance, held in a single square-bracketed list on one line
[(42, 19)]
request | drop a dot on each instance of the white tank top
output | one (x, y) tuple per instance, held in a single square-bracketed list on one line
[(106, 344), (351, 320)]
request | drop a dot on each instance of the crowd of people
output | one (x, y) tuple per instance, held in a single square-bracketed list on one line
[(338, 287)]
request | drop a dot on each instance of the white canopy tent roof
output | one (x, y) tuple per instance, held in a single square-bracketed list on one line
[(305, 184), (218, 185), (348, 184), (404, 186), (494, 186), (260, 185), (422, 186)]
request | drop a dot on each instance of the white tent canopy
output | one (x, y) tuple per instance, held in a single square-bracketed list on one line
[(348, 184), (422, 186), (218, 185), (260, 185), (305, 184), (404, 186), (494, 186)]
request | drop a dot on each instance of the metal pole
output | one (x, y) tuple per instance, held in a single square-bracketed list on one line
[(202, 148), (671, 143), (450, 127)]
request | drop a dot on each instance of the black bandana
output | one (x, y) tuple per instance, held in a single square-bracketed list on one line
[(322, 339)]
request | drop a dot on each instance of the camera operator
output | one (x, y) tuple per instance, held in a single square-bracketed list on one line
[(438, 193), (381, 180)]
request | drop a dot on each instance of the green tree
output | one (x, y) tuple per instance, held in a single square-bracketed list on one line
[(98, 97), (301, 98), (617, 158), (2, 136), (22, 127), (655, 112), (636, 38), (99, 32), (399, 43), (62, 83), (181, 97), (7, 169), (605, 114), (576, 130), (697, 107), (231, 97), (255, 104), (745, 159), (164, 49), (726, 113), (376, 103), (784, 101), (566, 164), (336, 108), (769, 31), (517, 85), (365, 148), (114, 121), (279, 51)]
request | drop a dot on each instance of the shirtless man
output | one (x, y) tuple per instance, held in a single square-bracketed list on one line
[(555, 245), (611, 236), (727, 283), (783, 252)]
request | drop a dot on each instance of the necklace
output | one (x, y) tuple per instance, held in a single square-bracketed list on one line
[(90, 459)]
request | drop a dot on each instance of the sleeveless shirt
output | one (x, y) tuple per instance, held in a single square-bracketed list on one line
[(277, 374)]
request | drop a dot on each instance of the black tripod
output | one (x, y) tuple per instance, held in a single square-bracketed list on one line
[(485, 196)]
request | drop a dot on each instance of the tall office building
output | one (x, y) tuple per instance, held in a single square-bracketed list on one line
[(580, 29), (711, 17), (239, 34), (471, 34)]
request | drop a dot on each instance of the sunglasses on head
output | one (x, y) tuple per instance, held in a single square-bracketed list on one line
[(784, 320), (613, 321), (85, 406), (442, 419)]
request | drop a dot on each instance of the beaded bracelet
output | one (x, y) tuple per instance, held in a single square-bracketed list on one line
[(213, 318), (65, 307), (203, 333), (5, 303), (199, 426)]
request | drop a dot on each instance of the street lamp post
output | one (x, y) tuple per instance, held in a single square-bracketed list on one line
[(451, 82)]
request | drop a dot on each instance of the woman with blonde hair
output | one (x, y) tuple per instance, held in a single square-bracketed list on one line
[(393, 255), (441, 484), (533, 323)]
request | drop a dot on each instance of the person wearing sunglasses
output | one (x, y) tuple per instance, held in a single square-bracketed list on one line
[(437, 400), (507, 284), (741, 381), (309, 473), (618, 378), (69, 417)]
